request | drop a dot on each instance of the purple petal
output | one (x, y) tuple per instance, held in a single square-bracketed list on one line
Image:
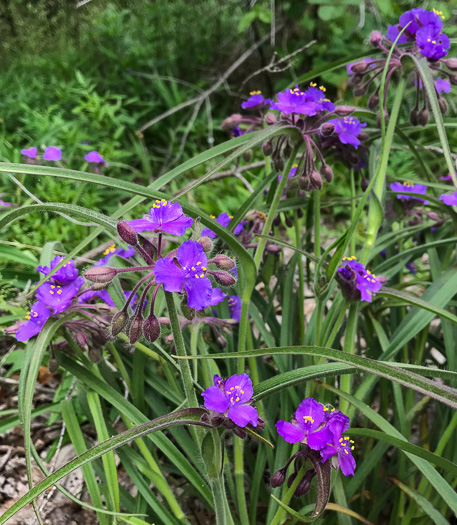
[(291, 433), (319, 439), (169, 274), (309, 414), (346, 462), (338, 424), (37, 316), (217, 296), (57, 296), (94, 156), (199, 292), (52, 153), (328, 452), (241, 415), (141, 225), (190, 253), (30, 152), (242, 385), (215, 399)]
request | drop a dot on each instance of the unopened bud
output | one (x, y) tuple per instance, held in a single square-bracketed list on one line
[(289, 221), (273, 248), (359, 91), (375, 38), (95, 354), (327, 129), (423, 117), (344, 111), (300, 213), (267, 148), (453, 79), (304, 183), (223, 278), (291, 479), (316, 180), (247, 155), (83, 340), (360, 67), (278, 478), (151, 328), (119, 322), (270, 119), (443, 105), (136, 329), (363, 137), (101, 274), (450, 63), (327, 172), (53, 365), (414, 117), (148, 247), (305, 483), (373, 101), (239, 432), (278, 163), (277, 220), (355, 80), (223, 262), (127, 233), (232, 122), (221, 341), (207, 243), (188, 313)]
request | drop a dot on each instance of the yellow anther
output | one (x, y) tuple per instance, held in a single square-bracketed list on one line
[(193, 268), (308, 419), (27, 317), (51, 292), (198, 263), (325, 409), (52, 286), (59, 292), (196, 277), (35, 314), (242, 391), (341, 439), (322, 88), (237, 399), (230, 216), (255, 93), (352, 448), (212, 216), (231, 388), (237, 387), (346, 438), (202, 275), (313, 84), (346, 451), (231, 400), (158, 202), (204, 268), (351, 441)]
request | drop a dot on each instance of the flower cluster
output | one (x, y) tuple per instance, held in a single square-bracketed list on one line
[(356, 281), (53, 153), (409, 187), (422, 34)]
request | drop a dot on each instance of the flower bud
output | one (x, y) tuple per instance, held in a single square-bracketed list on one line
[(148, 247), (188, 313), (270, 119), (95, 354), (363, 137), (223, 262), (453, 79), (289, 221), (53, 365), (223, 278), (277, 220), (373, 101), (414, 117), (83, 340), (101, 274), (221, 341), (151, 328), (278, 163), (232, 121), (127, 233), (247, 155), (304, 183), (360, 67), (327, 172), (359, 91), (450, 63), (375, 38), (423, 117), (291, 479), (327, 129), (443, 105), (207, 243), (305, 483), (316, 180), (300, 213), (273, 248), (355, 80), (344, 111), (136, 329), (267, 148), (119, 322), (239, 432), (278, 478)]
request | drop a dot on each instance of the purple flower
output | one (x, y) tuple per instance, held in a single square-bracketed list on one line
[(442, 85), (409, 187), (392, 33), (5, 204), (234, 304), (294, 101), (341, 446), (236, 132), (104, 295), (52, 153), (30, 152), (217, 296), (66, 274), (356, 281), (95, 157), (112, 250), (189, 273), (351, 261), (256, 100), (431, 43), (59, 297), (368, 285), (292, 172), (308, 418), (347, 129), (233, 398), (450, 200), (36, 318), (164, 216), (317, 95), (224, 220)]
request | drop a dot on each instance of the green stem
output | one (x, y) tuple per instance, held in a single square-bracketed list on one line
[(336, 326), (349, 347), (375, 213), (301, 281), (317, 223), (353, 206), (239, 480), (287, 497)]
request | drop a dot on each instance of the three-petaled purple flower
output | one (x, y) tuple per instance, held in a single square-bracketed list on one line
[(36, 318), (52, 153), (224, 220), (65, 274), (57, 296), (111, 251), (356, 281), (442, 85), (234, 304), (188, 272), (95, 157), (348, 129), (409, 187), (165, 217), (232, 398), (320, 428), (30, 152), (307, 102), (449, 199), (256, 100)]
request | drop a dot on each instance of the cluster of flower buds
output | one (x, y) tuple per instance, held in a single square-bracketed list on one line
[(422, 35), (319, 429), (185, 270)]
